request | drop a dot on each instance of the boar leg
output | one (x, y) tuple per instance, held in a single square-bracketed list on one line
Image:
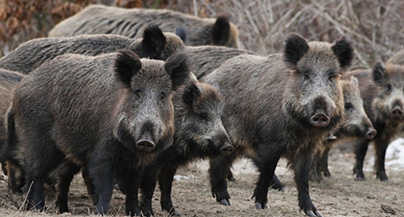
[(267, 169), (230, 176), (65, 178), (301, 166), (147, 185), (276, 184), (165, 181), (360, 152), (38, 167), (324, 162), (102, 173), (319, 174), (314, 170), (89, 184), (219, 167), (130, 183), (36, 194), (381, 147)]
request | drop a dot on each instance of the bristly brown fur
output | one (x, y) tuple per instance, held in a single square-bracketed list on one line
[(269, 106), (100, 19), (199, 134), (383, 97), (89, 120), (33, 53)]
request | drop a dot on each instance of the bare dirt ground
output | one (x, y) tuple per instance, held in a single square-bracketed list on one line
[(339, 195)]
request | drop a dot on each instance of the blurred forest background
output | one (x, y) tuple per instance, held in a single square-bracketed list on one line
[(375, 26)]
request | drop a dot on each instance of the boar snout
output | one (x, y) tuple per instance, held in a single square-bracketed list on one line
[(319, 119), (371, 133), (397, 112), (148, 137), (226, 149)]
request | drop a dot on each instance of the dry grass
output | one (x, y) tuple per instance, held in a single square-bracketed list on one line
[(375, 27), (339, 195)]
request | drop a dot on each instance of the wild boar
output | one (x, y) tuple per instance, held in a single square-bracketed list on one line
[(383, 100), (280, 105), (356, 124), (155, 45), (111, 113), (199, 134), (100, 19)]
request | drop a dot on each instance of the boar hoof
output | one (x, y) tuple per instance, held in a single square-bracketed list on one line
[(327, 173), (279, 187), (382, 177), (225, 202), (18, 192), (231, 179), (314, 214), (359, 175), (360, 178), (116, 187), (260, 206), (283, 189), (175, 213)]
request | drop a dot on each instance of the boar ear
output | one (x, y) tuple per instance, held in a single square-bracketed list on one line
[(221, 31), (354, 81), (344, 51), (296, 46), (378, 72), (191, 93), (153, 42), (126, 65), (182, 33), (178, 69)]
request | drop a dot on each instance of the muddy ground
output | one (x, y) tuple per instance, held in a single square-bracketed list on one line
[(339, 195)]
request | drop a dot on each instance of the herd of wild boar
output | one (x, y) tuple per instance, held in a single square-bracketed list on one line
[(127, 103)]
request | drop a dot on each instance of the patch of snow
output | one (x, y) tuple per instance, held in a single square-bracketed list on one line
[(179, 177), (395, 155)]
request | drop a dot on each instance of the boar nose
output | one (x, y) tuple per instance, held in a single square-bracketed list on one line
[(397, 112), (320, 119), (145, 145), (371, 133), (226, 149)]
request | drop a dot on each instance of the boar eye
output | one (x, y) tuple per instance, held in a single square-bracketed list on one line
[(203, 116), (162, 95), (348, 106), (306, 76), (138, 93), (388, 88), (331, 75)]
